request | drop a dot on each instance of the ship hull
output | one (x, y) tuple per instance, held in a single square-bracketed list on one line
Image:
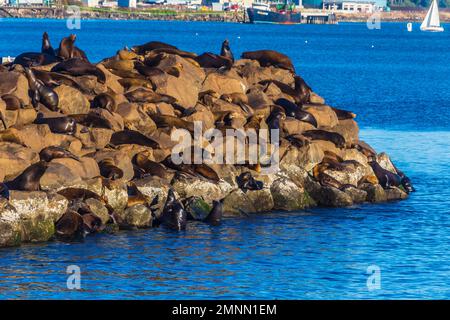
[(265, 16)]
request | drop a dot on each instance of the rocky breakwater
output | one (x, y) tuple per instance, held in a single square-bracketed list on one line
[(88, 148)]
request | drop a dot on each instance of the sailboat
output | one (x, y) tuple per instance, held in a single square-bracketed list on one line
[(431, 21)]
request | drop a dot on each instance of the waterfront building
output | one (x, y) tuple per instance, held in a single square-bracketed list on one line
[(27, 2), (351, 6), (127, 3), (91, 3)]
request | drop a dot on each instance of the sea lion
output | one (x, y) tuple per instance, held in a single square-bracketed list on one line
[(365, 149), (92, 120), (196, 170), (78, 67), (270, 58), (53, 79), (129, 83), (46, 46), (34, 59), (275, 119), (147, 166), (104, 101), (69, 226), (148, 71), (385, 177), (225, 51), (152, 45), (41, 93), (163, 121), (173, 215), (28, 180), (68, 50), (294, 111), (143, 95), (63, 125), (126, 54), (109, 170), (73, 194), (334, 137), (91, 223), (215, 216), (4, 191), (405, 181), (246, 182), (53, 152), (211, 60), (297, 140), (343, 114), (132, 137), (178, 52), (12, 102)]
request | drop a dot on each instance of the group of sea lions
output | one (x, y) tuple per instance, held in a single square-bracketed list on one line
[(141, 96)]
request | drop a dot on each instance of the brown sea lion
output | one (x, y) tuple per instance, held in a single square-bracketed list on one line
[(41, 93), (343, 114), (211, 60), (365, 149), (104, 101), (143, 95), (92, 120), (78, 67), (334, 137), (173, 216), (4, 191), (225, 51), (297, 140), (270, 58), (46, 46), (91, 223), (53, 152), (149, 46), (132, 137), (214, 217), (12, 102), (148, 71), (126, 54), (69, 226), (109, 170), (64, 125), (29, 179), (128, 83), (34, 59), (246, 182), (148, 166), (385, 177), (68, 50), (294, 111), (172, 122), (81, 194)]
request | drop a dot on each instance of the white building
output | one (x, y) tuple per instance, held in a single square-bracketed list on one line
[(350, 6), (91, 3), (127, 3)]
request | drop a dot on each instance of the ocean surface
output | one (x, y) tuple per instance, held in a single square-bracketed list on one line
[(397, 82)]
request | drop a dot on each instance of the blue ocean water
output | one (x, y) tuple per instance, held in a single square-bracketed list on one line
[(399, 85)]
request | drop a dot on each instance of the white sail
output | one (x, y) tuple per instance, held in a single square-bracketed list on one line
[(431, 21)]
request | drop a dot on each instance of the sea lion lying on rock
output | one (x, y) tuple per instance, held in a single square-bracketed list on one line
[(246, 182), (270, 58)]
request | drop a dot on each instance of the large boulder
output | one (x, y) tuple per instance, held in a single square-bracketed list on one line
[(14, 159), (237, 203), (10, 225), (325, 116), (71, 101), (222, 84), (289, 196)]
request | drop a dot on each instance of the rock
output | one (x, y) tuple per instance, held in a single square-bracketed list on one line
[(325, 116), (14, 159), (138, 216), (71, 101), (99, 209), (349, 130), (237, 203), (197, 208), (116, 196), (222, 84), (57, 206), (332, 197), (10, 225), (357, 195), (375, 193), (352, 173), (306, 157), (288, 196), (111, 80), (262, 199), (385, 162), (120, 158), (188, 187), (152, 187), (316, 99), (37, 223), (294, 126), (395, 193)]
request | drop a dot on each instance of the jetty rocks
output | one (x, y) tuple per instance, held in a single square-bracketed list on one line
[(88, 148)]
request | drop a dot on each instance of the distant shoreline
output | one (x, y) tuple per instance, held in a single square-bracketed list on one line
[(172, 15)]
